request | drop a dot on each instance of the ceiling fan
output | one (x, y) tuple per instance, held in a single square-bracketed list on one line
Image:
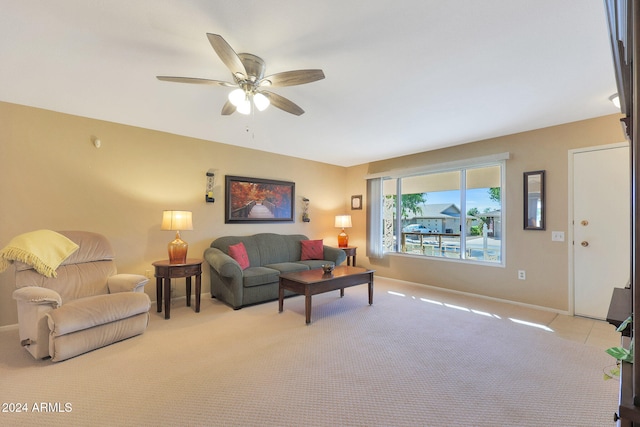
[(249, 79)]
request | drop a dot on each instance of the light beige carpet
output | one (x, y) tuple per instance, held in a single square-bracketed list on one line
[(408, 360)]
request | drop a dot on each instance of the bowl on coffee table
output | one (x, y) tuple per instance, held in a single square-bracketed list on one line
[(328, 268)]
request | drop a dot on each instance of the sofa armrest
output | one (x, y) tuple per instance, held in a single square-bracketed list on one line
[(37, 295), (222, 263), (126, 283), (336, 255)]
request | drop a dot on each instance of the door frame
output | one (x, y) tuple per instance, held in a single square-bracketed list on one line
[(570, 224)]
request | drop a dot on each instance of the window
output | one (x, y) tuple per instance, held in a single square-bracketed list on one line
[(454, 213)]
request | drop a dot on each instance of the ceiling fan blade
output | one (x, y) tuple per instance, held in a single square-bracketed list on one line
[(292, 78), (228, 56), (196, 81), (283, 103), (228, 108)]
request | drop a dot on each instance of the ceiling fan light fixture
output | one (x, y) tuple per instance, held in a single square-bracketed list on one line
[(237, 97), (244, 107), (261, 102), (248, 72), (615, 99)]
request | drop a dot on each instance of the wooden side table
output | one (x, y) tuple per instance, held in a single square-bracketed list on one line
[(351, 255), (167, 271)]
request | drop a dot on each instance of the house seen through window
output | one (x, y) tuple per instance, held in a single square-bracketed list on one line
[(455, 214)]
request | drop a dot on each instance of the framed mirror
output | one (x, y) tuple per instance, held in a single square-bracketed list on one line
[(534, 205)]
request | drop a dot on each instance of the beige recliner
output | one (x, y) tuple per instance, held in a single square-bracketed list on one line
[(87, 306)]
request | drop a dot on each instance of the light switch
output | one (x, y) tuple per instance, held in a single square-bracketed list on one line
[(557, 236)]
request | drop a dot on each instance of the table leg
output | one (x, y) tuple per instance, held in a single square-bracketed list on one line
[(307, 305), (371, 289), (280, 297), (167, 297), (341, 292), (188, 285), (159, 294), (354, 260), (198, 289)]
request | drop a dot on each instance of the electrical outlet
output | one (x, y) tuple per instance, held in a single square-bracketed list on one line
[(147, 274), (522, 275)]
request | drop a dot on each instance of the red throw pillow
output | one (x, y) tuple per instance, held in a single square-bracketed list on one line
[(311, 249), (239, 253)]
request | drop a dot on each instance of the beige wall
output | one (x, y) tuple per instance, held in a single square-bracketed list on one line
[(545, 262), (53, 177)]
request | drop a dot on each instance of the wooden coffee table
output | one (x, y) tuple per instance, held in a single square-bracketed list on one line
[(313, 282)]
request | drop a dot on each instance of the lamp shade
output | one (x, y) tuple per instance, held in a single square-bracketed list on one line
[(343, 221), (615, 98), (244, 107), (176, 220), (237, 97), (261, 102)]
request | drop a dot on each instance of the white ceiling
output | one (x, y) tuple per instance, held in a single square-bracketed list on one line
[(402, 76)]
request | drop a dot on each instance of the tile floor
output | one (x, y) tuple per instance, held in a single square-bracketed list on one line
[(589, 331)]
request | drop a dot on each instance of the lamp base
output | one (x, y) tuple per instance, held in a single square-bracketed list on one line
[(178, 250), (343, 239)]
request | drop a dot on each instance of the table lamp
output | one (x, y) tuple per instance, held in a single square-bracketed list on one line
[(343, 221), (176, 221)]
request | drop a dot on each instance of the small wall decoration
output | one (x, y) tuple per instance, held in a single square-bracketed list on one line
[(534, 205), (208, 197), (356, 202), (305, 210), (258, 200)]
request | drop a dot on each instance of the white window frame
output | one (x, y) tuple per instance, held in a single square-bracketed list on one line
[(375, 247)]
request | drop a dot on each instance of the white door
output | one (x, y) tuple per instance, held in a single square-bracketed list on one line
[(601, 227)]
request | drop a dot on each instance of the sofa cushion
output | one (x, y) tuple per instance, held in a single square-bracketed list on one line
[(311, 249), (256, 276), (249, 242), (273, 248), (239, 253), (288, 267)]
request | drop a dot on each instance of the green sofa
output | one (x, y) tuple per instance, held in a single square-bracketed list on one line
[(269, 255)]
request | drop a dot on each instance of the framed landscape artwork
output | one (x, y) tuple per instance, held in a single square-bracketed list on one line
[(258, 200)]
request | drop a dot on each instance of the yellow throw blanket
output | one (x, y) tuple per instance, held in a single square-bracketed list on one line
[(44, 250)]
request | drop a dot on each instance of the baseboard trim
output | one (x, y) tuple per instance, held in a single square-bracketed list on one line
[(453, 291), (505, 301)]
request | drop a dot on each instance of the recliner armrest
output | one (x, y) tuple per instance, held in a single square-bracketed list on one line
[(37, 295), (126, 283)]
